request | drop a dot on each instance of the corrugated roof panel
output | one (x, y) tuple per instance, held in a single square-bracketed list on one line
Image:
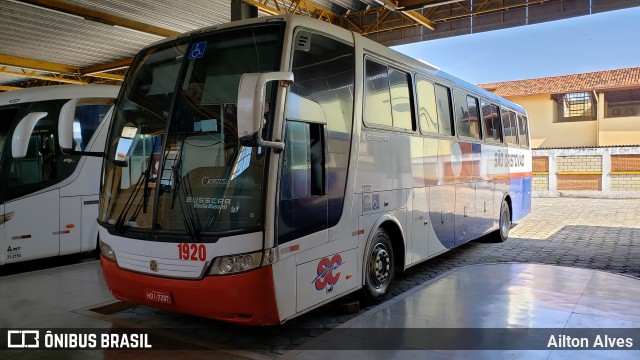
[(37, 33), (178, 16)]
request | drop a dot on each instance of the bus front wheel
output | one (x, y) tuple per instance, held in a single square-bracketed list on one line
[(379, 271)]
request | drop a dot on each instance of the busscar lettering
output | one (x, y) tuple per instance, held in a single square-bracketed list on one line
[(209, 203), (374, 137)]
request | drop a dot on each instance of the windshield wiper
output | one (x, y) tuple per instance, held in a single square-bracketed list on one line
[(143, 182), (118, 226), (187, 216)]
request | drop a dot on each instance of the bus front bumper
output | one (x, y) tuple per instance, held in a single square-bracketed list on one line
[(247, 298)]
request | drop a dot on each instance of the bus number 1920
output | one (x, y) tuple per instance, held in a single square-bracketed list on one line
[(193, 252)]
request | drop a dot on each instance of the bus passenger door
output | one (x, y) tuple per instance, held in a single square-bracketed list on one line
[(33, 229), (302, 202)]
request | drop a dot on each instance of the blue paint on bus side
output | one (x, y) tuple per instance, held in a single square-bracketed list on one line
[(520, 191)]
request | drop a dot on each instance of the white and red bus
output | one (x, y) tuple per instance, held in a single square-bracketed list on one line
[(49, 199), (259, 169)]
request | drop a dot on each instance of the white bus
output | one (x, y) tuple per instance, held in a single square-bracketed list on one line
[(260, 169), (49, 200)]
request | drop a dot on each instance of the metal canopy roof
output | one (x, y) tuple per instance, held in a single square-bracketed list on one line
[(46, 42)]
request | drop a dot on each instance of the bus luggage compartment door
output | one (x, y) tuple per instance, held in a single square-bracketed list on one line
[(326, 278)]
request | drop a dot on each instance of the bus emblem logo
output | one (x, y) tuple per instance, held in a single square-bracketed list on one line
[(153, 265), (325, 270)]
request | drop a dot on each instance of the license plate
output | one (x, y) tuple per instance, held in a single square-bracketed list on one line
[(161, 296)]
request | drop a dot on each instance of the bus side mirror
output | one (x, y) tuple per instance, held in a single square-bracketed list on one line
[(251, 107), (65, 126), (22, 133)]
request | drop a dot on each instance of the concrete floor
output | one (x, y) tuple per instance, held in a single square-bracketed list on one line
[(494, 298)]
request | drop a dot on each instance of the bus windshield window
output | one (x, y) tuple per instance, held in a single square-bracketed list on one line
[(203, 179)]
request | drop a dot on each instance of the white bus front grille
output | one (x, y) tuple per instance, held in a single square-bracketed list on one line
[(161, 267)]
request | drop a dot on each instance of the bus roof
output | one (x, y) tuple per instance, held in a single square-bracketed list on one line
[(58, 92)]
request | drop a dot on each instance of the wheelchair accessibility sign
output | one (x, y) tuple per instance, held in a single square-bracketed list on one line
[(197, 50)]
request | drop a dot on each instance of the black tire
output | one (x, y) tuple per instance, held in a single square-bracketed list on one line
[(379, 268), (504, 223)]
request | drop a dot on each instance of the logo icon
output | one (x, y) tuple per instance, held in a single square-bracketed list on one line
[(325, 270), (20, 339), (153, 265)]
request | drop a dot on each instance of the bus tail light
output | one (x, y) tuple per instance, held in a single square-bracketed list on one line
[(238, 263), (107, 251)]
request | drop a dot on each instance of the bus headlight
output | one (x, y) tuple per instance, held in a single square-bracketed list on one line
[(107, 251), (232, 264)]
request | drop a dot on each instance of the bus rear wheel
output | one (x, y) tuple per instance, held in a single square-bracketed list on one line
[(380, 268), (504, 224)]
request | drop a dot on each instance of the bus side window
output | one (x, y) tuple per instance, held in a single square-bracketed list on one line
[(303, 165), (523, 131), (87, 118), (399, 89), (510, 127), (86, 121), (377, 103), (387, 97), (491, 122), (466, 115), (427, 109), (443, 101)]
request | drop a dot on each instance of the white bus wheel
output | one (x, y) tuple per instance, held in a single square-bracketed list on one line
[(379, 268)]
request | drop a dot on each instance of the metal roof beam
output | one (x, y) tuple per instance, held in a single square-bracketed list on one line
[(34, 75), (420, 4), (108, 76), (101, 17), (299, 7), (55, 68), (417, 17), (116, 65), (9, 88), (25, 63)]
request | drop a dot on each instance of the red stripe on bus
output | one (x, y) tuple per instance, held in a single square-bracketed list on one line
[(247, 298), (520, 175), (510, 176)]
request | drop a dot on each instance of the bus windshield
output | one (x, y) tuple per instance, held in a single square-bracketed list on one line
[(174, 162)]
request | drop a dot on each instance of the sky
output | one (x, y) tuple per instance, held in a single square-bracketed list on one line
[(604, 41)]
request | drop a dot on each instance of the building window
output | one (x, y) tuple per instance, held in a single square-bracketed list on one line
[(581, 106), (622, 103)]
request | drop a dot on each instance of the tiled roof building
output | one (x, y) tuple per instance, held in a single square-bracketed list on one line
[(599, 108), (593, 81)]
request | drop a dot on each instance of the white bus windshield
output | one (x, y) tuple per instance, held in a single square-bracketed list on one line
[(174, 162)]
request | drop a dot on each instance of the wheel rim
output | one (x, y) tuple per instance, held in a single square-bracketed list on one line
[(379, 266), (504, 221)]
